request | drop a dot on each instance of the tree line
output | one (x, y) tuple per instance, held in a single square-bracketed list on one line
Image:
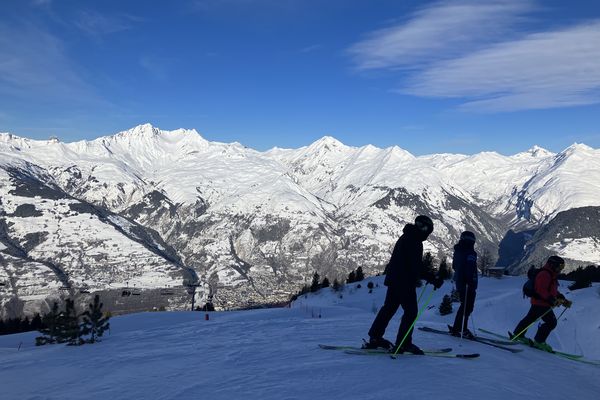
[(318, 284), (582, 277), (63, 326)]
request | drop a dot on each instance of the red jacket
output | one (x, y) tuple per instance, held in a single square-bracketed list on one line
[(546, 286)]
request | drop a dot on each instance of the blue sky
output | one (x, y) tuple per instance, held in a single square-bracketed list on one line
[(431, 77)]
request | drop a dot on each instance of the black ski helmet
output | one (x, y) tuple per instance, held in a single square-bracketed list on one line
[(424, 224), (467, 236), (556, 262)]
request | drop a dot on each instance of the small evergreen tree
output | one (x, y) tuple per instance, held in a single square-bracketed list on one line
[(370, 286), (25, 325), (446, 305), (351, 277), (325, 283), (359, 276), (427, 265), (68, 330), (315, 285), (94, 321), (49, 329), (444, 270), (336, 285), (485, 262)]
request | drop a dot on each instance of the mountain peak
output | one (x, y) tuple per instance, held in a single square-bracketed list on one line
[(327, 142), (144, 130), (535, 152), (578, 147)]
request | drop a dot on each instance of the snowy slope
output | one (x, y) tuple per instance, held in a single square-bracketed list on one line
[(273, 354)]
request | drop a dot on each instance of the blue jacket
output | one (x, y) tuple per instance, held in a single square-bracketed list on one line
[(464, 263)]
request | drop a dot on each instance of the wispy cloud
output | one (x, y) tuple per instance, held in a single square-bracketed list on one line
[(543, 70), (439, 31), (473, 51), (310, 49), (34, 65), (157, 67), (97, 24)]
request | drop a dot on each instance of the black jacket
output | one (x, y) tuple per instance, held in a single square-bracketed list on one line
[(464, 264), (406, 265)]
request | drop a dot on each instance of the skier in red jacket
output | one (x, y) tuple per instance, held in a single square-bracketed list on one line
[(546, 297)]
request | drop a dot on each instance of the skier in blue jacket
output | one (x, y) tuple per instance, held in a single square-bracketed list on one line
[(464, 263)]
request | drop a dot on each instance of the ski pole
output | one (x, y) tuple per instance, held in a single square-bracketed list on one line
[(561, 314), (414, 322), (422, 292), (529, 326), (464, 311)]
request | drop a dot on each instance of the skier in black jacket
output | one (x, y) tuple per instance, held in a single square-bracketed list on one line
[(464, 263), (403, 272)]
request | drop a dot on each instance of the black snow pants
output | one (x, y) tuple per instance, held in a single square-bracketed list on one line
[(466, 308), (544, 330), (394, 298)]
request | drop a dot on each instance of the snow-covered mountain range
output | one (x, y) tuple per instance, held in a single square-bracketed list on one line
[(173, 216)]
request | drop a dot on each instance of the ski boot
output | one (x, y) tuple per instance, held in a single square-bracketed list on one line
[(377, 343), (542, 346), (466, 333), (521, 339), (408, 348)]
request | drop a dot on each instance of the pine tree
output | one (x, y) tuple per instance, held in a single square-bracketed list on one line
[(68, 325), (444, 270), (446, 305), (485, 262), (359, 274), (49, 327), (325, 283), (336, 285), (94, 322), (351, 277), (25, 325), (370, 286), (315, 285), (36, 322)]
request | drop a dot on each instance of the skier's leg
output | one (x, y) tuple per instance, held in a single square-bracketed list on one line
[(531, 316), (385, 314), (469, 308), (411, 310), (547, 327), (459, 314)]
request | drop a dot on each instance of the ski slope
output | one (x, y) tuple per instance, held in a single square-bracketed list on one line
[(273, 354)]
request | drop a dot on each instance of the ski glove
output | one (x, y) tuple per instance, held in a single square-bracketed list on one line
[(566, 303)]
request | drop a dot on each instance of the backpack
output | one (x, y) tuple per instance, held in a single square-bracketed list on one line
[(529, 286)]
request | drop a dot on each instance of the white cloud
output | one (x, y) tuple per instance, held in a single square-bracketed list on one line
[(96, 24), (34, 65), (473, 51), (439, 31), (543, 70)]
